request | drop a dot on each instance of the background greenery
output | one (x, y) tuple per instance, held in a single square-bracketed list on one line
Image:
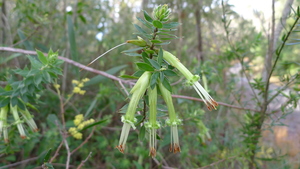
[(222, 55)]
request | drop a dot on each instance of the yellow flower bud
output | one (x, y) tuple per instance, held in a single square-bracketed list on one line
[(75, 81), (85, 80), (76, 90), (77, 122), (80, 85), (82, 92), (81, 126), (78, 136)]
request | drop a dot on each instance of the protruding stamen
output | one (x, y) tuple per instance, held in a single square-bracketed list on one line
[(176, 148), (171, 148), (120, 148), (152, 152)]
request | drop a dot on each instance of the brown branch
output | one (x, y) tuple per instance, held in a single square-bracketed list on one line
[(56, 152), (85, 141), (220, 103), (28, 37), (9, 49), (82, 162), (20, 162), (215, 163)]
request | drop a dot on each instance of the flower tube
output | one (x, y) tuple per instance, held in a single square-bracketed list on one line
[(152, 125), (128, 119), (192, 80), (173, 120)]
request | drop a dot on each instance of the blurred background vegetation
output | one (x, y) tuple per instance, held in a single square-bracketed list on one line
[(208, 45)]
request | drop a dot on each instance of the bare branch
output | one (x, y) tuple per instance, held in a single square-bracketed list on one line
[(82, 162)]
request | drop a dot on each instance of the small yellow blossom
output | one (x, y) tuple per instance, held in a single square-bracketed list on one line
[(77, 122), (72, 130), (80, 85), (82, 92), (75, 81), (57, 86), (76, 90), (78, 136), (81, 126), (79, 116), (85, 80)]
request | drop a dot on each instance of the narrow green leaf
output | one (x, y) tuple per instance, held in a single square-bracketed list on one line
[(47, 155), (142, 133), (141, 30), (129, 77), (147, 17), (161, 76), (94, 124), (156, 41), (165, 43), (132, 50), (167, 84), (170, 25), (153, 79), (41, 57), (132, 54), (145, 58), (145, 66), (167, 34), (157, 24), (4, 101), (25, 42), (72, 42), (20, 104), (144, 23), (154, 63), (14, 101), (170, 73), (160, 56), (138, 73)]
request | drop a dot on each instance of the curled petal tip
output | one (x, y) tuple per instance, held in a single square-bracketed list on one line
[(152, 152), (23, 137), (120, 148)]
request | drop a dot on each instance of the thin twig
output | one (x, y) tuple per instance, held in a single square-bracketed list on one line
[(220, 103), (215, 163), (20, 162), (28, 37), (56, 152), (68, 61), (85, 141), (64, 136), (82, 162)]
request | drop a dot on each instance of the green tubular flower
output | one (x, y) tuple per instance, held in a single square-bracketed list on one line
[(173, 120), (29, 119), (3, 123), (137, 91), (193, 80), (14, 110), (152, 125)]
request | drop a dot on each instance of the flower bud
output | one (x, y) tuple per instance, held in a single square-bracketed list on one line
[(161, 13), (139, 42)]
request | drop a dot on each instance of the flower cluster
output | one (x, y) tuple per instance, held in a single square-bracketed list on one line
[(80, 123), (25, 117), (143, 85), (79, 85)]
